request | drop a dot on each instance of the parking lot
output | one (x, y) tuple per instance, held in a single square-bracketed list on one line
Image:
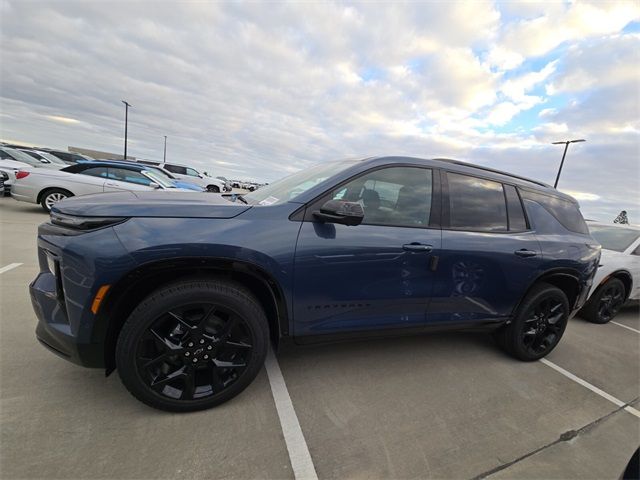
[(434, 406)]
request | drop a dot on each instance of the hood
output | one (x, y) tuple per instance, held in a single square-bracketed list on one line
[(151, 204)]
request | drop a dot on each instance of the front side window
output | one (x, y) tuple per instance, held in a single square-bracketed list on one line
[(476, 204), (399, 196), (192, 173)]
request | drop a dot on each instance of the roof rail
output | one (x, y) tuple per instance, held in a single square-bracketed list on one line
[(493, 170)]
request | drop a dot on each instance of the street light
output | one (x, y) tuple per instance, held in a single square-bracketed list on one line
[(165, 150), (566, 146), (126, 121)]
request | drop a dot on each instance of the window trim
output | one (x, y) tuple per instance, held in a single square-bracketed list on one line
[(305, 212), (446, 205)]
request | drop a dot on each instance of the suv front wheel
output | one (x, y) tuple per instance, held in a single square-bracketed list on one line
[(193, 345), (538, 325)]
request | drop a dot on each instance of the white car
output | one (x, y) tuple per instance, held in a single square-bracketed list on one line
[(15, 155), (192, 175), (618, 277), (47, 187), (10, 167)]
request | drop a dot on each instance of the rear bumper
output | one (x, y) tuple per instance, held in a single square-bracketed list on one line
[(53, 329)]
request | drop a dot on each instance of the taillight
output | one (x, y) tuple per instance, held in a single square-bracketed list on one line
[(21, 174)]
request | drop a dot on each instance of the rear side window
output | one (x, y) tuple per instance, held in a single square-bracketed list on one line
[(476, 204), (176, 169), (94, 172), (517, 221), (564, 211)]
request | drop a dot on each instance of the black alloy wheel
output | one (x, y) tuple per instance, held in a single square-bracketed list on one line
[(213, 188), (192, 346), (538, 324), (544, 325), (606, 301)]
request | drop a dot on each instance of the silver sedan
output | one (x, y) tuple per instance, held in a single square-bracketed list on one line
[(47, 187)]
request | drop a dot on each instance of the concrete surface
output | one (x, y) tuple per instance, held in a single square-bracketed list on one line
[(436, 406)]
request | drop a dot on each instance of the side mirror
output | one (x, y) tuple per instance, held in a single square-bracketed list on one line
[(339, 211), (154, 185)]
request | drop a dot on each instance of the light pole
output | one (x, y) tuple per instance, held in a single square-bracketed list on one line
[(164, 157), (126, 121), (566, 147)]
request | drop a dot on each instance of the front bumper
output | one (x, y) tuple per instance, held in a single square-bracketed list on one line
[(53, 329)]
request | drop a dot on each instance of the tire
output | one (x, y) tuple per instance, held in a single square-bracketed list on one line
[(192, 345), (605, 302), (53, 196), (213, 188), (538, 325)]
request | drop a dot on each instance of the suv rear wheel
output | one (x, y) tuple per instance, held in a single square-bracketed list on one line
[(605, 302), (538, 325), (193, 345)]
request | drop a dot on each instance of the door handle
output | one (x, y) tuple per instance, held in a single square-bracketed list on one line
[(417, 247), (525, 253)]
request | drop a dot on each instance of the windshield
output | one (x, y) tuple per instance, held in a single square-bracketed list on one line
[(159, 179), (290, 187), (22, 157), (52, 158), (614, 238)]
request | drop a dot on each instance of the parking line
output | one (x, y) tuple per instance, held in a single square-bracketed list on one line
[(591, 387), (11, 266), (299, 455), (624, 326)]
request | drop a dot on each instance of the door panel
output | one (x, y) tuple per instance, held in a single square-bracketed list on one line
[(361, 278), (375, 275), (480, 275)]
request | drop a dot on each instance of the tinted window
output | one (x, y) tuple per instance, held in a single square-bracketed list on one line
[(613, 238), (476, 204), (130, 176), (398, 196), (517, 221), (565, 211), (176, 169), (93, 171)]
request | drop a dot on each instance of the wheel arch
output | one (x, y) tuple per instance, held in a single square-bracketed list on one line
[(42, 192), (565, 279), (131, 289), (624, 276)]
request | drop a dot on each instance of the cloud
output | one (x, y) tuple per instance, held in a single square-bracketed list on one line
[(256, 90)]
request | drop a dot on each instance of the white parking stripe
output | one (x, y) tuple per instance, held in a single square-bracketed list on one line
[(11, 266), (591, 387), (624, 326), (299, 455)]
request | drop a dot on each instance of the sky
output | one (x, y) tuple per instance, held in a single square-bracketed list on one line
[(257, 90)]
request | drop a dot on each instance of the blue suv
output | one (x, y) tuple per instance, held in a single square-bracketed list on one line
[(182, 293)]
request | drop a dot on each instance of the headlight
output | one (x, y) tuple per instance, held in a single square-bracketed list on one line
[(83, 223)]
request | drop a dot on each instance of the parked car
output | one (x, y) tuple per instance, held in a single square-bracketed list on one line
[(15, 155), (227, 183), (44, 157), (48, 187), (4, 179), (138, 167), (11, 167), (192, 175), (182, 293), (70, 158), (618, 277)]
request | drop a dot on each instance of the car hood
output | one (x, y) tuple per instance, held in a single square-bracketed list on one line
[(151, 204)]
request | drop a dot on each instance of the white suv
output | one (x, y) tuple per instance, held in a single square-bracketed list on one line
[(192, 175)]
